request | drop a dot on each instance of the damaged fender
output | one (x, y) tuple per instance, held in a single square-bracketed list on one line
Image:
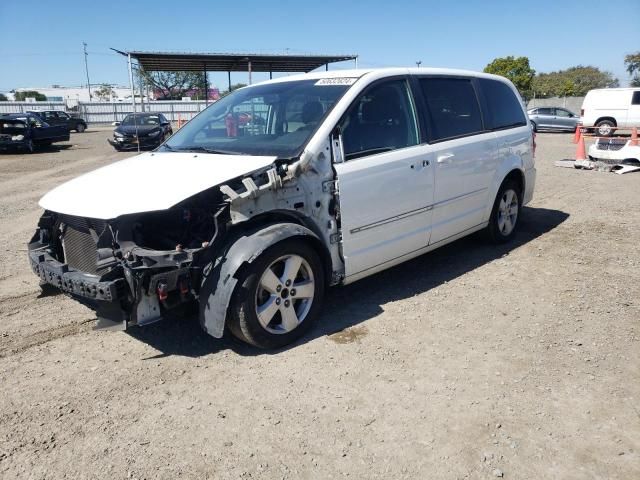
[(220, 282)]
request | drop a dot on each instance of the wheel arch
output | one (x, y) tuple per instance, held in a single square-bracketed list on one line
[(243, 248), (610, 119), (511, 169)]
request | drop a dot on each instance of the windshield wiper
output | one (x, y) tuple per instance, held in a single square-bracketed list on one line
[(197, 148)]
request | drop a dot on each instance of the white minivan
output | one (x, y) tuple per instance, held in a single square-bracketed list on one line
[(284, 188), (608, 108)]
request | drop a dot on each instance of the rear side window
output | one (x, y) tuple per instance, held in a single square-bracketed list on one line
[(504, 109), (452, 107), (635, 100), (545, 111)]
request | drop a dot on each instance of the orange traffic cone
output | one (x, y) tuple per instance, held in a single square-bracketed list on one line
[(581, 153), (634, 136), (577, 134)]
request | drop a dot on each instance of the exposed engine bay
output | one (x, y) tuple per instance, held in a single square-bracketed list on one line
[(133, 268)]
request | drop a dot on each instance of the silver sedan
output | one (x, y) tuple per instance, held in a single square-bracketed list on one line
[(553, 118)]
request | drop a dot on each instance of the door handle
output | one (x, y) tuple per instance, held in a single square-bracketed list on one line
[(445, 158)]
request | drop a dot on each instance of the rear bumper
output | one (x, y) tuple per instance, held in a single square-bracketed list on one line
[(74, 282), (623, 153), (530, 184)]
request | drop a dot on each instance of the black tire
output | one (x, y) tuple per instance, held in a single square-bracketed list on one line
[(607, 126), (534, 127), (496, 231), (80, 127), (243, 321)]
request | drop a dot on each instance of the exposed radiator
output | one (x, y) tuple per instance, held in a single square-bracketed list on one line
[(79, 242)]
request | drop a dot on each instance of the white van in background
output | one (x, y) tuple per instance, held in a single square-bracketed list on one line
[(608, 108)]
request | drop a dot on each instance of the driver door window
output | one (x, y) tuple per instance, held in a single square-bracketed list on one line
[(381, 120)]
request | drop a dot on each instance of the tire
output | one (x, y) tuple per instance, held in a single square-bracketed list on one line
[(505, 213), (272, 307), (81, 127), (534, 127), (605, 128)]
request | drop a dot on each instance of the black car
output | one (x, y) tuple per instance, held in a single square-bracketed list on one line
[(57, 117), (146, 130), (27, 132)]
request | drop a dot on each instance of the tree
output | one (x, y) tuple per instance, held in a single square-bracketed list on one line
[(21, 96), (3, 97), (574, 81), (632, 62), (105, 92), (234, 86), (515, 69), (173, 85)]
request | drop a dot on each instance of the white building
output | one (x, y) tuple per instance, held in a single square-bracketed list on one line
[(73, 95)]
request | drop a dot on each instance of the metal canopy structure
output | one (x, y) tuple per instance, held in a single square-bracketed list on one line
[(225, 62), (233, 62)]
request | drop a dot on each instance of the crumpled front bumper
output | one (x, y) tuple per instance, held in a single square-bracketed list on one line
[(127, 143), (72, 281)]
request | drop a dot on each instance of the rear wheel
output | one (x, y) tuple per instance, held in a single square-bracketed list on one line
[(279, 296), (534, 127), (81, 127), (505, 213), (605, 128)]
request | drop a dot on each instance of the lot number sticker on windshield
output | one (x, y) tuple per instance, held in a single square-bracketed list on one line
[(337, 81)]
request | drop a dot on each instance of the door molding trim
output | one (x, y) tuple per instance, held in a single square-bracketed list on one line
[(395, 218)]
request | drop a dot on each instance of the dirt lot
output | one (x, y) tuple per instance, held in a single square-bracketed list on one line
[(470, 362)]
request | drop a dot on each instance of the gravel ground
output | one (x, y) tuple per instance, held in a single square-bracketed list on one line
[(469, 362)]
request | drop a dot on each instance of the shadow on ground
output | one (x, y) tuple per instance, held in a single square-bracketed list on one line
[(351, 305), (53, 148)]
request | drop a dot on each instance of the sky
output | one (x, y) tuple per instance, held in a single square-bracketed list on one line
[(41, 40)]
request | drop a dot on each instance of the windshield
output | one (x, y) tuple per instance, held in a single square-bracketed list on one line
[(272, 119), (141, 120)]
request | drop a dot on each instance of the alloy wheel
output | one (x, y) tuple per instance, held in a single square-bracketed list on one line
[(285, 294), (508, 212)]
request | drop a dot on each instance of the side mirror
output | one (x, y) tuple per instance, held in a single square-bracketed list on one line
[(337, 147), (115, 124)]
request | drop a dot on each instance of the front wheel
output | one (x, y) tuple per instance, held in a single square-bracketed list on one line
[(279, 296), (81, 127), (505, 213), (605, 128), (534, 127)]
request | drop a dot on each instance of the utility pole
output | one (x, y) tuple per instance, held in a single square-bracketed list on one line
[(86, 69)]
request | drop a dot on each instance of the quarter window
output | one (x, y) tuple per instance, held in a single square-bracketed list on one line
[(452, 107), (505, 109), (380, 120), (635, 100)]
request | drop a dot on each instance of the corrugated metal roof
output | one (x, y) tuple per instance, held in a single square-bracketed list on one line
[(232, 62)]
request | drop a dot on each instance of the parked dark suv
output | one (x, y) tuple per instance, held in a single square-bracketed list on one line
[(58, 117)]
